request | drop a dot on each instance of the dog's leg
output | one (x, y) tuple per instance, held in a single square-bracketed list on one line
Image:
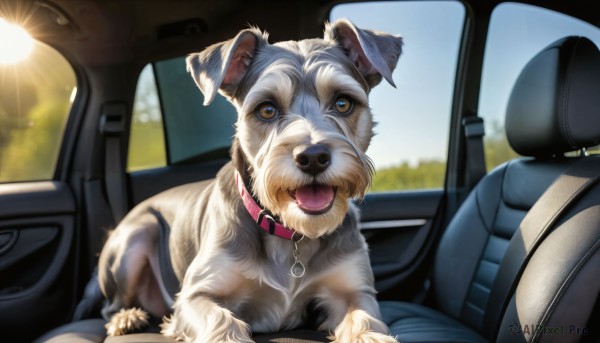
[(203, 320), (126, 321), (130, 277), (349, 299), (201, 310), (361, 324)]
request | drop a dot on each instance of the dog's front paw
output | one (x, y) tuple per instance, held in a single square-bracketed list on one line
[(236, 331), (126, 321), (360, 327)]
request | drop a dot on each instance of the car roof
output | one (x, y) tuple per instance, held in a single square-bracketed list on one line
[(104, 32)]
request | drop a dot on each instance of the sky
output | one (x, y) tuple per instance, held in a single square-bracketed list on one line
[(414, 118)]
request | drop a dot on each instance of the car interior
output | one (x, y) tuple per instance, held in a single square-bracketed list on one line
[(483, 221)]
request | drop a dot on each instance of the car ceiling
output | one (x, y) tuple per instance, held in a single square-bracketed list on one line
[(103, 32)]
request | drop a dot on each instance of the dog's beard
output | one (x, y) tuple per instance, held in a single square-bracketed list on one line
[(311, 205)]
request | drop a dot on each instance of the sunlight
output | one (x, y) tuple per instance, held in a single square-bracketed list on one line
[(15, 43)]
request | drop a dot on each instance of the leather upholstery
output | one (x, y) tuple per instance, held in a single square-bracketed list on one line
[(566, 267), (553, 106), (471, 250), (83, 331), (415, 323), (549, 113), (297, 336)]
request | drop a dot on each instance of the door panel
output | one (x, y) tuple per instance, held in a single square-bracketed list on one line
[(398, 227), (37, 222)]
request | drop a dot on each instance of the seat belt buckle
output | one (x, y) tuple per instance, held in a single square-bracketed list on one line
[(112, 119), (474, 127)]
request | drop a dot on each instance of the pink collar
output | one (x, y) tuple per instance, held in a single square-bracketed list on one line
[(262, 216)]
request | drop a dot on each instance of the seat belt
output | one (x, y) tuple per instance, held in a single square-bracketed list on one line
[(534, 228), (474, 131), (112, 126)]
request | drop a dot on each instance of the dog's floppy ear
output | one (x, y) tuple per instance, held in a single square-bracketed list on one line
[(375, 54), (223, 65)]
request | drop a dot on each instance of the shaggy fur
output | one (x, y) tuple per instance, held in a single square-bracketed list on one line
[(235, 277)]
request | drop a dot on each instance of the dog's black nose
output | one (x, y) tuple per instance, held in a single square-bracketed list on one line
[(313, 159)]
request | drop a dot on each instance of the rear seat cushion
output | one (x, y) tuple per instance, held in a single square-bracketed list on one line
[(83, 331)]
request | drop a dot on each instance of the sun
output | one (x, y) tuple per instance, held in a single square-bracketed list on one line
[(15, 43)]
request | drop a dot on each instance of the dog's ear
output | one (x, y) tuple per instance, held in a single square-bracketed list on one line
[(375, 54), (223, 65)]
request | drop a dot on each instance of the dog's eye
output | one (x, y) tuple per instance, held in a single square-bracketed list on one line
[(267, 111), (343, 105)]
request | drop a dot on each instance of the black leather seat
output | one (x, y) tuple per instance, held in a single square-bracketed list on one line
[(554, 108)]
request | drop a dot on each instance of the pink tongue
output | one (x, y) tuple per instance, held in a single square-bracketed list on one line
[(314, 198)]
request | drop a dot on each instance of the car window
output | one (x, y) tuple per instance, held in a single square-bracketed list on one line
[(410, 146), (170, 123), (516, 33), (194, 131), (147, 140), (37, 89)]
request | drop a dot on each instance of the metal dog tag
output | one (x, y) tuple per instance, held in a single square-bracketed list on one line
[(298, 269)]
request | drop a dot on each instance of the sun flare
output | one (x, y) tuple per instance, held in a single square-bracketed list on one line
[(15, 43)]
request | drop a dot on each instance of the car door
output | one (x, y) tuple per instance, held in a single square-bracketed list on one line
[(38, 211)]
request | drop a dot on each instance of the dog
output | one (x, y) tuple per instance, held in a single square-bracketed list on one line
[(276, 230)]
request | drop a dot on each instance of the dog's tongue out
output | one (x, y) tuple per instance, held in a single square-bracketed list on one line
[(314, 199)]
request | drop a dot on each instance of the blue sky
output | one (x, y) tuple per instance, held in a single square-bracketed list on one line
[(414, 118)]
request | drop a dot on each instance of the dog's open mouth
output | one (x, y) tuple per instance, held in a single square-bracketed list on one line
[(314, 198)]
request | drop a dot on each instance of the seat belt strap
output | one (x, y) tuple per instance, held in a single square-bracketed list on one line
[(534, 228), (112, 126), (475, 157)]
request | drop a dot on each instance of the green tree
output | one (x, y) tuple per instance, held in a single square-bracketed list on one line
[(34, 104), (497, 149), (147, 141), (33, 149), (426, 174)]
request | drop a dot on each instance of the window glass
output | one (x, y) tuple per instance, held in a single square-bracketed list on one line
[(517, 32), (37, 88), (188, 131), (194, 131), (410, 147), (147, 141)]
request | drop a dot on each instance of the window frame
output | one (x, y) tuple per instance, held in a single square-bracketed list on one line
[(74, 123)]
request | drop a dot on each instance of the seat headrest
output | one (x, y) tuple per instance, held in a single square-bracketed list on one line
[(554, 106)]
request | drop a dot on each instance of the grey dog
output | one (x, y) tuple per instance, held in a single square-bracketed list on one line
[(276, 230)]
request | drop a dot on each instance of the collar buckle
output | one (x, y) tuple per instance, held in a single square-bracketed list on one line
[(264, 214)]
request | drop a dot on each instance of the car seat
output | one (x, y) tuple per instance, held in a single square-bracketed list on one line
[(554, 108)]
